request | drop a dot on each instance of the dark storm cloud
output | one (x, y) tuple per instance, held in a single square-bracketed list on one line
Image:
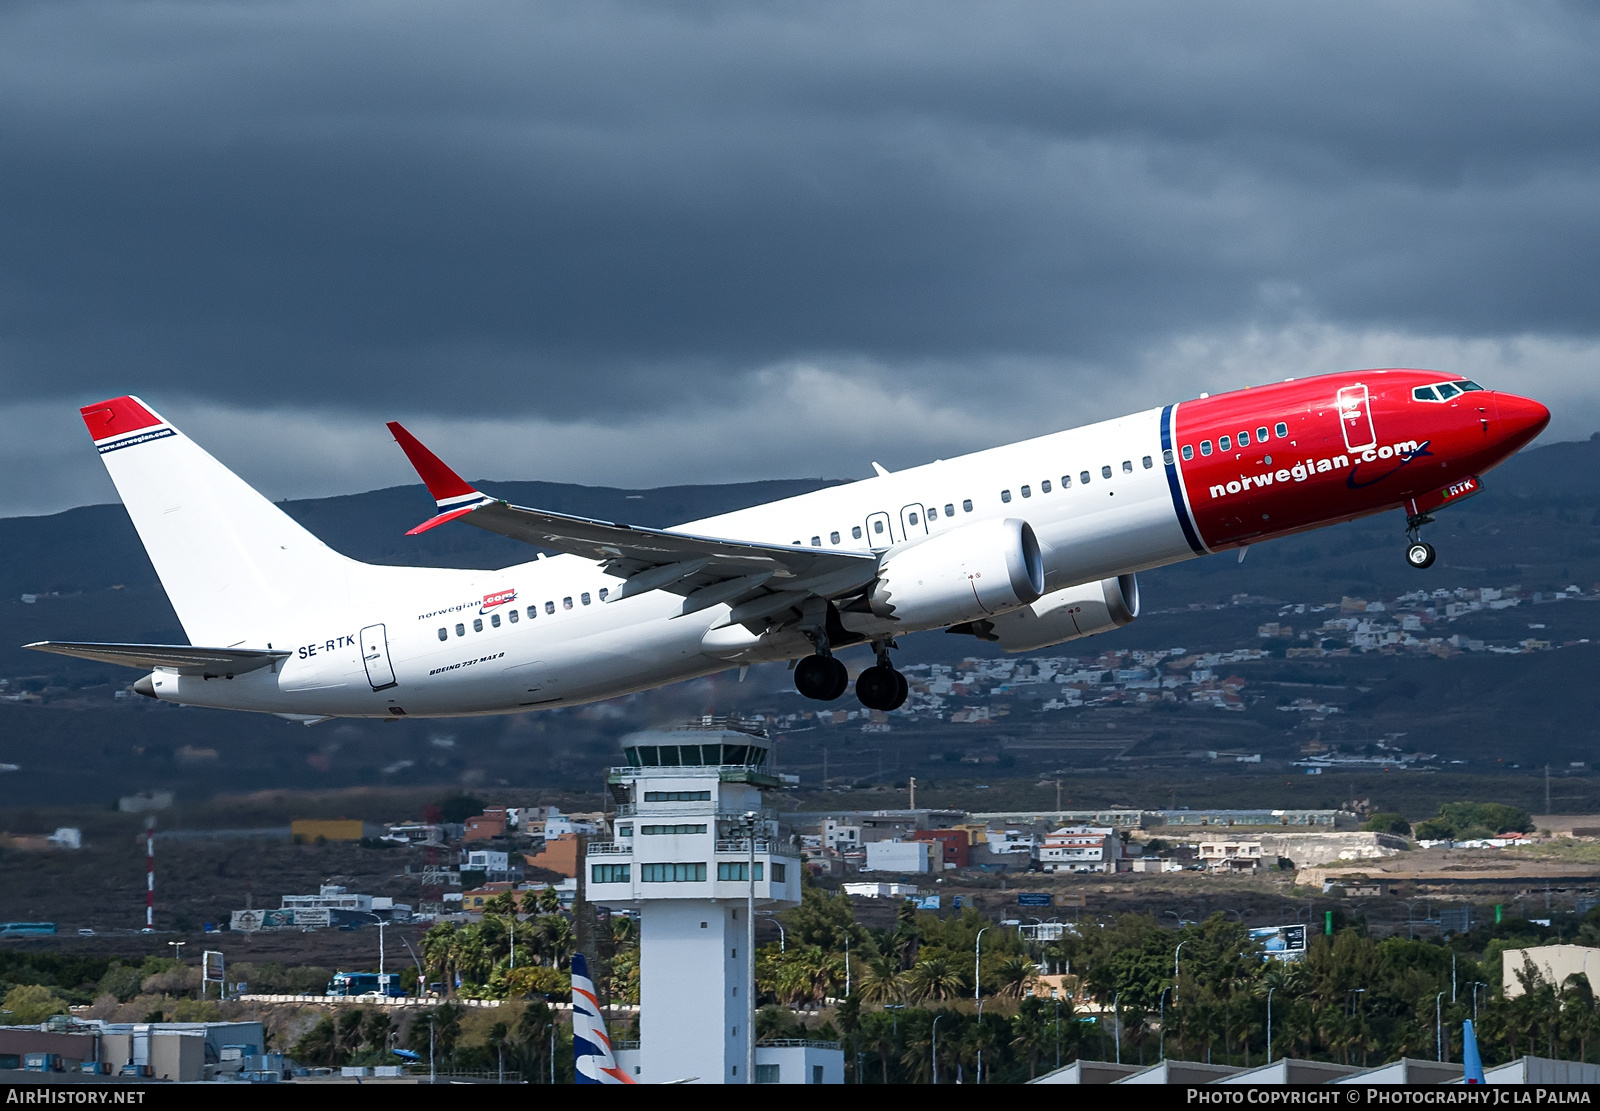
[(475, 208)]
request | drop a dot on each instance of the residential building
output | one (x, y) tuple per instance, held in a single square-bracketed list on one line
[(839, 835), (898, 856), (1231, 856), (955, 849), (1080, 849)]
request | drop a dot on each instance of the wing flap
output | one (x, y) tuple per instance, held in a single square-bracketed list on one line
[(182, 658)]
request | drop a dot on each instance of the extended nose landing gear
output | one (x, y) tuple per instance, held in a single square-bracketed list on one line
[(1419, 553), (882, 687)]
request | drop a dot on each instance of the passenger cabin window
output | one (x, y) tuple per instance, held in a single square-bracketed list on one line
[(833, 537), (1044, 487), (949, 510), (513, 615), (1166, 458), (461, 630), (584, 597), (966, 505), (444, 634), (933, 512), (816, 541), (603, 592), (1280, 429), (1027, 491), (549, 607), (494, 619), (477, 624), (533, 611), (1066, 481), (566, 603), (1223, 444), (877, 527), (1005, 495), (1188, 452), (855, 533), (1083, 477), (913, 518), (1244, 439), (1147, 463), (1205, 447), (1105, 472), (1127, 466), (1261, 435)]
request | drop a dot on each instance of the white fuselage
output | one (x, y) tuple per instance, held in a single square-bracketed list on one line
[(452, 647)]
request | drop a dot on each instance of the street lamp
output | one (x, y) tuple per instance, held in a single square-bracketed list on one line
[(382, 925), (422, 977), (1270, 990), (1161, 1041), (936, 1019), (975, 965), (1476, 984), (1438, 1025), (177, 950), (1175, 953), (1116, 1013)]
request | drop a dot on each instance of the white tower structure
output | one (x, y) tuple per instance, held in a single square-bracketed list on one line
[(691, 817)]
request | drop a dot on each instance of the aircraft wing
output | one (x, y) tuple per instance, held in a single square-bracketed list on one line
[(181, 658), (707, 569)]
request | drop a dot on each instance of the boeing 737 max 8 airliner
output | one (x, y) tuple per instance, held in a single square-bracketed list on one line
[(1027, 545)]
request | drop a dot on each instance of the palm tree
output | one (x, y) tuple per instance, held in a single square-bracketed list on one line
[(1030, 1032), (881, 982), (439, 953), (548, 901), (934, 977), (1017, 974)]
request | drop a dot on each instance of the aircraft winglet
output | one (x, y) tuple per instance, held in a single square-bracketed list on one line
[(454, 496)]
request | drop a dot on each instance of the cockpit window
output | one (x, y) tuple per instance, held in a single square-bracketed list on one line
[(1447, 390), (1424, 393), (1467, 385)]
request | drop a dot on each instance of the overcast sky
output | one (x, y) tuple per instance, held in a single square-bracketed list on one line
[(640, 244)]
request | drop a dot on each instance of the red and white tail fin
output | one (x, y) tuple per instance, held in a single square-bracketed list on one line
[(231, 562), (451, 493)]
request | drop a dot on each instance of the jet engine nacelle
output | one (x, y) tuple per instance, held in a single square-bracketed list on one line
[(967, 574), (1067, 614)]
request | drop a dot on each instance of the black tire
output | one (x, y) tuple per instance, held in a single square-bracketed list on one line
[(902, 691), (814, 678), (1420, 555), (841, 680), (877, 689)]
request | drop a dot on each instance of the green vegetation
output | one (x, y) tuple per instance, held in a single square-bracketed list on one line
[(1468, 821), (1388, 823), (476, 960), (30, 1003), (1353, 998)]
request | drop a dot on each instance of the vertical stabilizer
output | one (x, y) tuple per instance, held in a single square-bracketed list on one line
[(591, 1046), (232, 563)]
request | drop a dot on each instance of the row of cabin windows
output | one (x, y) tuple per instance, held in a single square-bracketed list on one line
[(878, 527), (515, 615), (1226, 443), (1084, 478)]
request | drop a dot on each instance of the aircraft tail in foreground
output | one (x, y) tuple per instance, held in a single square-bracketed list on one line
[(591, 1045), (1469, 1054)]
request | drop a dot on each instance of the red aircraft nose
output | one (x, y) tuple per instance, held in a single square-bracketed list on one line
[(1521, 418)]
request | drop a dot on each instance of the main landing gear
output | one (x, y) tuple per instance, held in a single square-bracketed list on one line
[(823, 678), (1419, 553)]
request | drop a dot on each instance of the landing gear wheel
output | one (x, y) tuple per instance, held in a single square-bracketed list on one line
[(821, 678), (1420, 554), (879, 688), (902, 691)]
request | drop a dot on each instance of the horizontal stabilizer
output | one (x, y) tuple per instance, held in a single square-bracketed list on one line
[(182, 658)]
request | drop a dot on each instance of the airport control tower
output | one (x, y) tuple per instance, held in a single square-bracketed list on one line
[(689, 803)]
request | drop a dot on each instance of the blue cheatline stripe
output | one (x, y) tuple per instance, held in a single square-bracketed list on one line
[(1170, 459)]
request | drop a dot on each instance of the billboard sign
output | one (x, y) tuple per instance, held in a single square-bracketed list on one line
[(1283, 942), (1033, 898), (211, 966)]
